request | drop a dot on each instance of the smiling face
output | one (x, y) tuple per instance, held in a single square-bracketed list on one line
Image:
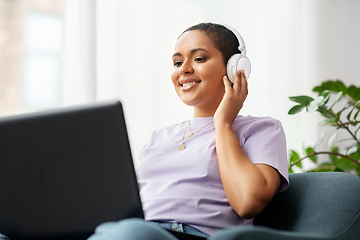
[(198, 73)]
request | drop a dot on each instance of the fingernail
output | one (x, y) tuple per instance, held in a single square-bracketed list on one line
[(240, 71)]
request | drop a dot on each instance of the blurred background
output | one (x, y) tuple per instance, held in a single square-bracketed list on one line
[(57, 53)]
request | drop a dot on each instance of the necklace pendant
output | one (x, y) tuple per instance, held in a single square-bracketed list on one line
[(190, 135), (181, 147)]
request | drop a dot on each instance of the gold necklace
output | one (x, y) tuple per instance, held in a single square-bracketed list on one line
[(183, 146)]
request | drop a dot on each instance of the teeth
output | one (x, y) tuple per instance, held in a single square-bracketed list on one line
[(189, 83)]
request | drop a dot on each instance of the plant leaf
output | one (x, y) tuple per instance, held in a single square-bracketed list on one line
[(293, 157), (320, 139), (351, 150), (329, 85), (340, 87), (303, 100), (333, 157), (354, 107), (354, 92), (326, 94), (356, 114), (337, 117), (357, 96), (335, 99), (318, 89), (310, 150), (327, 121), (296, 109), (324, 112), (358, 153), (332, 140), (345, 164), (314, 105)]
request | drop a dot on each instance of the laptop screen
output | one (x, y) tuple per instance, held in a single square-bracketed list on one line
[(65, 171)]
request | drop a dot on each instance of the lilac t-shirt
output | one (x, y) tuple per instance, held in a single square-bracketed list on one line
[(185, 186)]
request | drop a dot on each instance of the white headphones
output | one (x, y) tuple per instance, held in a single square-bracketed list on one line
[(238, 61)]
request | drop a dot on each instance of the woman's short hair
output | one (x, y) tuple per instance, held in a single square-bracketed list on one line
[(221, 37)]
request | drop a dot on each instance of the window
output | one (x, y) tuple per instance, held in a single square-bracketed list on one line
[(30, 47), (41, 72)]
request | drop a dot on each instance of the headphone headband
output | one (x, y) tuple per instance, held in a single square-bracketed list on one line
[(238, 61), (241, 47)]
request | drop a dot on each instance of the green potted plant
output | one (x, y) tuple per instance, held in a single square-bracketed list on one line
[(339, 107)]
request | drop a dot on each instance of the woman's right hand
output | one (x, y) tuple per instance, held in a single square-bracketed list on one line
[(233, 100)]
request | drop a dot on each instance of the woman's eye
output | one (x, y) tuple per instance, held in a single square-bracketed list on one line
[(177, 64), (199, 59)]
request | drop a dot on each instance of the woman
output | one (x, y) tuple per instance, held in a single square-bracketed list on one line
[(217, 170)]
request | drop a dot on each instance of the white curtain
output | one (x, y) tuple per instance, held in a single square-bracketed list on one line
[(78, 84), (122, 50)]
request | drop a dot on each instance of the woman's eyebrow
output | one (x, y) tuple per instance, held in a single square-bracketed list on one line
[(199, 49), (176, 54), (192, 51)]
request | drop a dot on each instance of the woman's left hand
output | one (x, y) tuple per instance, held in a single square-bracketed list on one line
[(233, 100)]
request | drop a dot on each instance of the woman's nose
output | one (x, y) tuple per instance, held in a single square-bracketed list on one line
[(186, 68)]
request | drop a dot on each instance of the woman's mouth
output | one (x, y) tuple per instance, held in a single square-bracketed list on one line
[(188, 85)]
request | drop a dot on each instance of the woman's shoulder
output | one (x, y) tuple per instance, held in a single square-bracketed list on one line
[(251, 120), (249, 125)]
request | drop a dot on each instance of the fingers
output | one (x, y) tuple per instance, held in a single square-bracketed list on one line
[(240, 81), (227, 83), (239, 87), (237, 78)]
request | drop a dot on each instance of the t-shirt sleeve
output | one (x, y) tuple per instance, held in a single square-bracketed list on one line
[(264, 142)]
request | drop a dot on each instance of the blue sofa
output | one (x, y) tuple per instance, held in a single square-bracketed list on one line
[(316, 206)]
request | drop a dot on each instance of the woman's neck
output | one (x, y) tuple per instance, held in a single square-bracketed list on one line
[(203, 113)]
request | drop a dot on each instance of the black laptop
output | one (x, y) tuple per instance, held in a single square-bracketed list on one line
[(63, 172)]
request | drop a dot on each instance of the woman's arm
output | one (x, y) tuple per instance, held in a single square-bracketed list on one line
[(248, 187)]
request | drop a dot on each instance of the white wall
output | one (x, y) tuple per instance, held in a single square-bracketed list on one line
[(293, 45)]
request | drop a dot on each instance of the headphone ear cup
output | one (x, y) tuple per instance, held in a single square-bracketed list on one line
[(238, 62)]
